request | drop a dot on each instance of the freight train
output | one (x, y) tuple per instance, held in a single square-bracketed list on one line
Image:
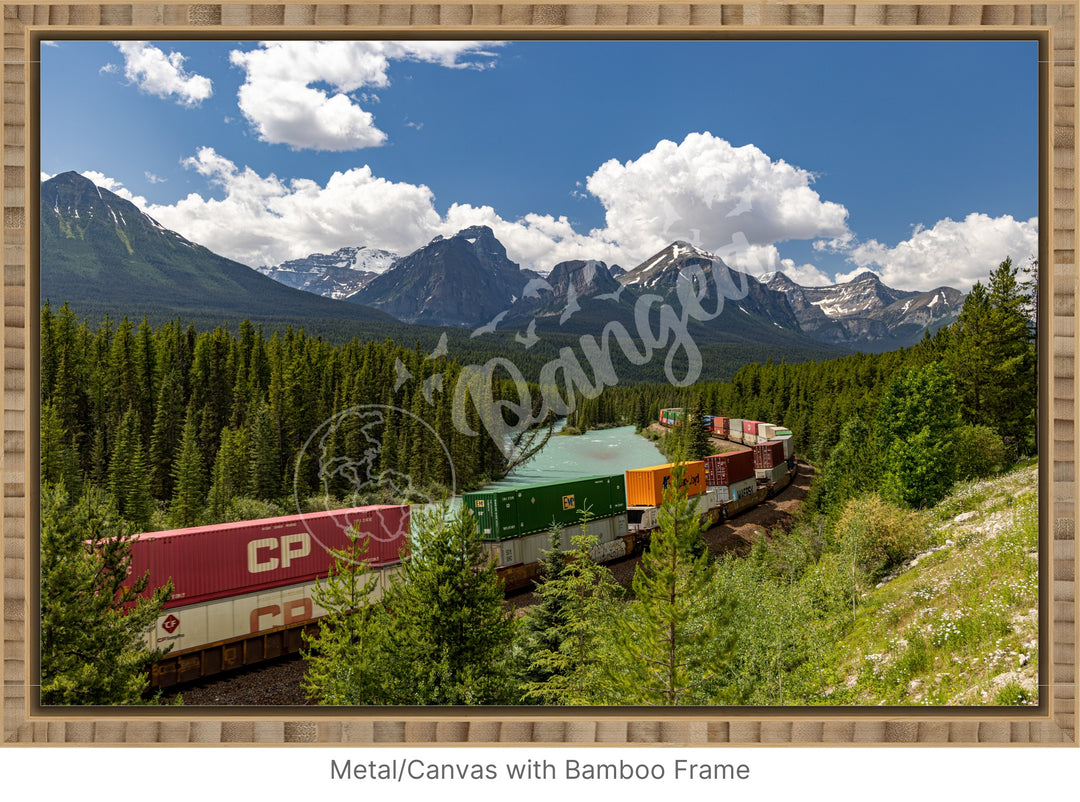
[(243, 591)]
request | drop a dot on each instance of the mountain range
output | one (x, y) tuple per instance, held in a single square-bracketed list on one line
[(467, 280), (866, 310), (103, 255), (463, 280)]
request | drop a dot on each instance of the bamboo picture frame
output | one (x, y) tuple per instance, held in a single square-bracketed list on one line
[(1052, 722)]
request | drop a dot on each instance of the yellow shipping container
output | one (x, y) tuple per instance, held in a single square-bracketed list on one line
[(645, 486)]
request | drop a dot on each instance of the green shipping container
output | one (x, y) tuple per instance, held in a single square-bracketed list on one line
[(514, 511)]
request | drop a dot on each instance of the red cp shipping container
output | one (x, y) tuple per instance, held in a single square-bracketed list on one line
[(722, 470), (768, 454), (750, 426), (211, 562)]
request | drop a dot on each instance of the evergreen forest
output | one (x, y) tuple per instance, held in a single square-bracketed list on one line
[(167, 426)]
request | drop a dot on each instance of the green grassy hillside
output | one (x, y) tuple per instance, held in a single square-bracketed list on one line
[(958, 623), (890, 606)]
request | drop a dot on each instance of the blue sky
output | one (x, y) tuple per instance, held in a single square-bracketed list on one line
[(916, 160)]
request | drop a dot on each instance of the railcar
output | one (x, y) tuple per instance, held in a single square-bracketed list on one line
[(243, 591)]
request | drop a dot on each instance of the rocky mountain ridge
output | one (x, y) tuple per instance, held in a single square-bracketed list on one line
[(332, 275), (465, 280), (866, 311), (102, 254)]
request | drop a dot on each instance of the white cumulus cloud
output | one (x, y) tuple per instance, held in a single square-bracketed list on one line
[(736, 202), (954, 253), (283, 99), (153, 71), (536, 241), (763, 260), (263, 220), (713, 194)]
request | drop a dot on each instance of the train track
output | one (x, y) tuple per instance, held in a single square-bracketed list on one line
[(279, 681)]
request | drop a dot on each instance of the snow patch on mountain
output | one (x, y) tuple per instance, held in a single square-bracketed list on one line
[(335, 275)]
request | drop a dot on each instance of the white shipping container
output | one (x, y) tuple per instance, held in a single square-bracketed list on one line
[(765, 432), (735, 424), (531, 548), (743, 489), (194, 626), (707, 500), (789, 445), (736, 491), (774, 474)]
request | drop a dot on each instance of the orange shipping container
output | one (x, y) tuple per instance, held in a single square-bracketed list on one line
[(645, 486)]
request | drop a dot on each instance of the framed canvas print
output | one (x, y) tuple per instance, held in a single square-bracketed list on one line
[(533, 374)]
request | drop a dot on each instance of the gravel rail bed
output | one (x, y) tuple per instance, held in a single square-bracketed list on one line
[(274, 683)]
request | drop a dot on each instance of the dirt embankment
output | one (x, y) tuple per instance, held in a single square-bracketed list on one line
[(739, 535), (736, 536)]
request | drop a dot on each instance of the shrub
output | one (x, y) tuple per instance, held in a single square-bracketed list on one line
[(1013, 693), (880, 536), (980, 452), (251, 509)]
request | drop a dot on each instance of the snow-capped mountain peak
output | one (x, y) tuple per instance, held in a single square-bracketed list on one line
[(664, 267), (334, 275), (867, 312)]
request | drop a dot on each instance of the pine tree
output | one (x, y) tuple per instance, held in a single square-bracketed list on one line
[(667, 647), (229, 478), (145, 371), (189, 476), (450, 639), (265, 449), (575, 608), (68, 396), (59, 457), (1012, 396), (641, 413), (918, 418), (698, 432), (129, 483), (991, 351), (345, 665), (94, 620), (542, 625), (121, 376), (165, 435), (852, 466)]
